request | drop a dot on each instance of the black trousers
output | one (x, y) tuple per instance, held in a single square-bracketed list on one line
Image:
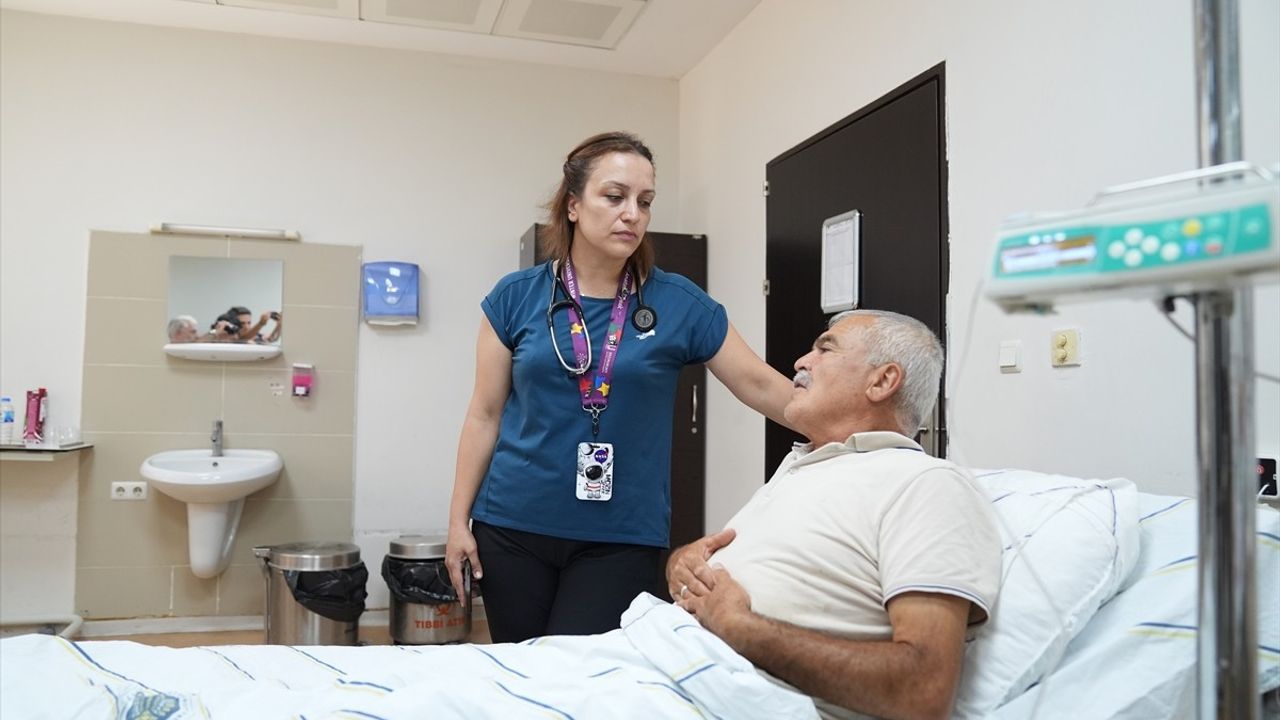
[(541, 585)]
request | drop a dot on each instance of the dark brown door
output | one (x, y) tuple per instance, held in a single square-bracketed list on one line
[(687, 256), (888, 161)]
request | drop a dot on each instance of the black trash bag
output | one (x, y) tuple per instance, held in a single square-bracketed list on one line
[(334, 594), (416, 581)]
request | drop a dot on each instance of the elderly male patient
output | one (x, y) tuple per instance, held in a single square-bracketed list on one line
[(856, 573)]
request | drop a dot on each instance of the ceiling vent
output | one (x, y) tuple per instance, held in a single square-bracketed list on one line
[(467, 15), (595, 23), (331, 8), (598, 23)]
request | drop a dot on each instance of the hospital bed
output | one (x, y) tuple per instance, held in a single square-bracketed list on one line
[(1099, 592)]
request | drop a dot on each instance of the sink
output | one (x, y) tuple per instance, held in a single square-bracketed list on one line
[(214, 489), (196, 476)]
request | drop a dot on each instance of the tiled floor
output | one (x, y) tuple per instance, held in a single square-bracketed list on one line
[(369, 635)]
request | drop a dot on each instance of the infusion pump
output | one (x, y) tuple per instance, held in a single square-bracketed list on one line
[(1207, 229)]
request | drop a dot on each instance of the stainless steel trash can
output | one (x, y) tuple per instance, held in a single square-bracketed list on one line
[(288, 621), (424, 605)]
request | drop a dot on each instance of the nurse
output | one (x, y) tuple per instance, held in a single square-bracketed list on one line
[(562, 492)]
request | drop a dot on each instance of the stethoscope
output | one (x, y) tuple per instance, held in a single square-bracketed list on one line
[(643, 318)]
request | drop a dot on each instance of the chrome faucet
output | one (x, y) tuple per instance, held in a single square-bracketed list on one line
[(217, 438)]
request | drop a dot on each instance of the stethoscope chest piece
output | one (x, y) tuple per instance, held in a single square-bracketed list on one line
[(644, 318)]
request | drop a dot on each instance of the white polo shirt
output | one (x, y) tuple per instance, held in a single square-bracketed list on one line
[(840, 530)]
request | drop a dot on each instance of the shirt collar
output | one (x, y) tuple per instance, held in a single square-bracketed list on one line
[(857, 443)]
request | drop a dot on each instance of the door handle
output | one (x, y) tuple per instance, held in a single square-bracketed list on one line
[(694, 428)]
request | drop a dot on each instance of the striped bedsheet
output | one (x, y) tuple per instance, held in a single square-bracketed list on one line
[(660, 664)]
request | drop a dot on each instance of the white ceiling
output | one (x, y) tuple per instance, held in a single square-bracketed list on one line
[(666, 39)]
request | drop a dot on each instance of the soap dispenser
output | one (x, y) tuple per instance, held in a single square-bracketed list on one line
[(303, 377)]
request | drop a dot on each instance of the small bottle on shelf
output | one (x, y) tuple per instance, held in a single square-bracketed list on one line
[(7, 420)]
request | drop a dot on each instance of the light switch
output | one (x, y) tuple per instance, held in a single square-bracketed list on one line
[(1011, 356), (1064, 347)]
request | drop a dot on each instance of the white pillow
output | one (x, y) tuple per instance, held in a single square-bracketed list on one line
[(1080, 538), (1137, 657)]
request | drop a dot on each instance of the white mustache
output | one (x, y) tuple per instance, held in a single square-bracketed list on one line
[(801, 379)]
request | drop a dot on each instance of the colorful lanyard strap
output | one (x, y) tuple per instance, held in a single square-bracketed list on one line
[(595, 391)]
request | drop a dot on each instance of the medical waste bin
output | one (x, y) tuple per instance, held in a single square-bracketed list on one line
[(424, 605), (315, 592)]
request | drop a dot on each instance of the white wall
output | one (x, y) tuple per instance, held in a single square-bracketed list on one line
[(437, 160), (1047, 102)]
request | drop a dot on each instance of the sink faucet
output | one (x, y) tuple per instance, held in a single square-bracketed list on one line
[(217, 438)]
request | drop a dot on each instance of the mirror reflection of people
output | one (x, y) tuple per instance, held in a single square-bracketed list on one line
[(186, 329), (237, 325), (274, 336), (559, 556), (183, 329)]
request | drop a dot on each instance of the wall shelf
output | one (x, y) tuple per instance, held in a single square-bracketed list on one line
[(222, 352), (22, 453)]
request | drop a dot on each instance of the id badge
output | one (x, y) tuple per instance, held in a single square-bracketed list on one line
[(595, 471)]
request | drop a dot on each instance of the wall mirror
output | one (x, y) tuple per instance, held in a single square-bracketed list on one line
[(224, 309)]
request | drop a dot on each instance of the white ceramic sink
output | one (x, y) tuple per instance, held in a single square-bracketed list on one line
[(214, 489), (196, 476)]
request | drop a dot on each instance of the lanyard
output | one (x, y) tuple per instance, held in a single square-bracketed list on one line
[(595, 391)]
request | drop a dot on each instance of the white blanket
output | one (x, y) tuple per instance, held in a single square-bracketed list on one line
[(660, 664)]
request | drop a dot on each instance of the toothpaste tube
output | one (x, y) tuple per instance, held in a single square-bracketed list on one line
[(37, 404)]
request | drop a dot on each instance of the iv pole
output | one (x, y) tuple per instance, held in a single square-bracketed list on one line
[(1227, 641)]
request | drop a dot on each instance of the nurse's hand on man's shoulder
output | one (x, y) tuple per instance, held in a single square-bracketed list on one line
[(687, 569)]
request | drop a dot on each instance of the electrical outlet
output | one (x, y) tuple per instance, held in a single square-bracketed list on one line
[(1011, 356), (129, 490), (1064, 347)]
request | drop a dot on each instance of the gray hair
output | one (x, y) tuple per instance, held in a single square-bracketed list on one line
[(178, 323), (897, 338)]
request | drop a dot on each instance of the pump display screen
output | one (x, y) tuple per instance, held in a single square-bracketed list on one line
[(1049, 255)]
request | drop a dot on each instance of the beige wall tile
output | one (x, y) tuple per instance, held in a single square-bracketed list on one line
[(36, 568), (39, 498), (313, 274), (116, 457), (252, 406), (123, 592), (133, 559), (134, 265), (242, 590), (272, 522), (133, 533), (125, 331), (193, 595), (315, 467), (325, 337), (182, 398)]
